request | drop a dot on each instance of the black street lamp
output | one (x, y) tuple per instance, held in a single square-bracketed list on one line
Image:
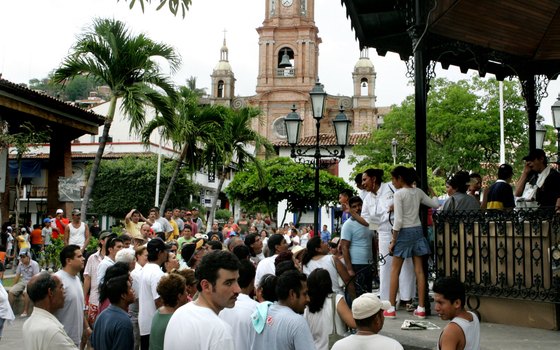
[(556, 120), (341, 125)]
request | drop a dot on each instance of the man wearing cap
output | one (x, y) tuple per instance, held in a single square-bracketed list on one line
[(25, 270), (189, 221), (60, 224), (544, 179), (91, 291), (42, 330), (367, 311), (148, 298), (46, 232), (197, 219), (499, 196), (76, 232)]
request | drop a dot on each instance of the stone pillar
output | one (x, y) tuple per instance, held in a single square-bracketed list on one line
[(60, 165)]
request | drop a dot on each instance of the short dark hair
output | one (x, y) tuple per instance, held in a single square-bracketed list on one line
[(116, 270), (289, 280), (366, 322), (39, 288), (68, 252), (348, 192), (451, 288), (215, 245), (358, 179), (377, 173), (355, 199), (460, 181), (111, 243), (211, 263), (505, 171), (242, 252), (169, 288), (268, 287), (124, 237), (250, 239), (273, 241), (246, 273), (115, 287)]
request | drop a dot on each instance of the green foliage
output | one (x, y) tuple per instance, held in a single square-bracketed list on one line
[(51, 254), (93, 244), (173, 5), (283, 179), (223, 215), (130, 182), (463, 129)]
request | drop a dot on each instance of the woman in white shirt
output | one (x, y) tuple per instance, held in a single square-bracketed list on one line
[(319, 311), (408, 239)]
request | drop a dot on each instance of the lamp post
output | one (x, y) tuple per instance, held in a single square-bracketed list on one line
[(394, 150), (341, 124), (540, 133), (556, 120)]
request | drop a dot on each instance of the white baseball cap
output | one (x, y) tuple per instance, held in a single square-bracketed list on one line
[(59, 211), (368, 304)]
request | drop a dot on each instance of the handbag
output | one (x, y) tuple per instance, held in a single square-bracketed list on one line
[(334, 336)]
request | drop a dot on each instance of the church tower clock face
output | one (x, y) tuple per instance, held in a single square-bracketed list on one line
[(287, 3)]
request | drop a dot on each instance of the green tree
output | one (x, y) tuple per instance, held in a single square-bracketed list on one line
[(235, 135), (462, 127), (173, 5), (284, 179), (128, 64), (130, 182), (191, 126)]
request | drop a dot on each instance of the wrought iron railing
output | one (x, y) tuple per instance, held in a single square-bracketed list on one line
[(513, 255)]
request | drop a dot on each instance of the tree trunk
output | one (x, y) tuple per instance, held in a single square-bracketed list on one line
[(98, 156), (18, 192), (283, 219), (182, 157), (215, 200)]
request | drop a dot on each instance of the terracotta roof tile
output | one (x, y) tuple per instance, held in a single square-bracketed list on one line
[(326, 140)]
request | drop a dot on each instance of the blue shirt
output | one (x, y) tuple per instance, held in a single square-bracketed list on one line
[(113, 330), (361, 240), (325, 236)]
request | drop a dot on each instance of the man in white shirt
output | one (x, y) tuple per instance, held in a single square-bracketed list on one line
[(72, 314), (112, 247), (77, 232), (197, 323), (367, 311), (42, 330), (239, 317), (276, 245), (148, 298)]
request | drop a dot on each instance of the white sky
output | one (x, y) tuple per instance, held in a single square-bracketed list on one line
[(35, 35)]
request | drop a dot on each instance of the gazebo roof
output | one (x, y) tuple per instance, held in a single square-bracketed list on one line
[(505, 38)]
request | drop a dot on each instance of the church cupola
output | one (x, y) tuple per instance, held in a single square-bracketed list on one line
[(364, 81), (223, 79)]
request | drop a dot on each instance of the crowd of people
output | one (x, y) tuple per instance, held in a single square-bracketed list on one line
[(167, 282)]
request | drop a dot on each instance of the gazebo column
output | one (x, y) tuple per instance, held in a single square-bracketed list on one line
[(60, 165)]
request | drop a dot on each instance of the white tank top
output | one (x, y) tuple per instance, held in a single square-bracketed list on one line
[(471, 330), (77, 235)]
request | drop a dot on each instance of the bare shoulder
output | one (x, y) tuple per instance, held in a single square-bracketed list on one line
[(452, 337)]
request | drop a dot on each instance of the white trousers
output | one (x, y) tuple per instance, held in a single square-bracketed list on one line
[(407, 278)]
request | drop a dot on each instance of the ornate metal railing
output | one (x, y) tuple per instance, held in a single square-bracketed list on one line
[(513, 255)]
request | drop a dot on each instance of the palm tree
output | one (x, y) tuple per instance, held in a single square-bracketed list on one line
[(237, 134), (192, 126), (126, 63)]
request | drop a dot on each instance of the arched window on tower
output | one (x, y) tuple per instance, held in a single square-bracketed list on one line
[(285, 67), (364, 87), (221, 88)]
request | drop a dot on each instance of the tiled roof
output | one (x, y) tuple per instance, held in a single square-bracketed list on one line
[(45, 99), (326, 140)]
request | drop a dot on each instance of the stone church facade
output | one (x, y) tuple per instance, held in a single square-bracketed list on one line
[(287, 71)]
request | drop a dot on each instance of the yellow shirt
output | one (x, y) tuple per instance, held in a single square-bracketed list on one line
[(175, 233), (132, 228)]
